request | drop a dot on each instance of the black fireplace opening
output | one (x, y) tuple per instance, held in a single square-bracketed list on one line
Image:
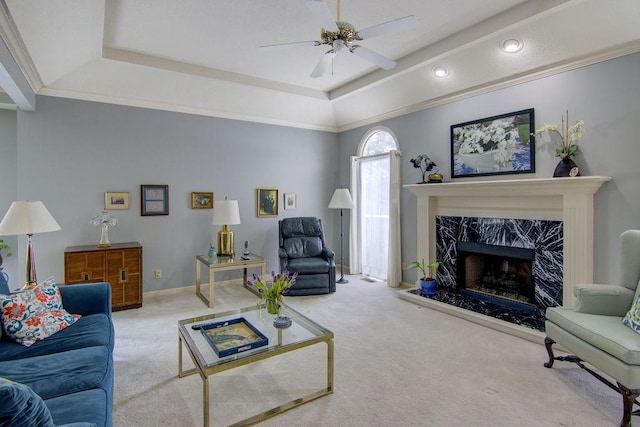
[(501, 275)]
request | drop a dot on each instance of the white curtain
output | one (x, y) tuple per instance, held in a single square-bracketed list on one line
[(355, 265), (394, 268), (382, 218)]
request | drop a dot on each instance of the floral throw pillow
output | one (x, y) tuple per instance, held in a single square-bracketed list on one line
[(632, 319), (35, 314)]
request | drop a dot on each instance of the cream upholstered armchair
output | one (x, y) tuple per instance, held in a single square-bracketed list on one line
[(594, 330)]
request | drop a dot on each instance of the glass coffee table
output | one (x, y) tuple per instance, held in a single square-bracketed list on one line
[(302, 333)]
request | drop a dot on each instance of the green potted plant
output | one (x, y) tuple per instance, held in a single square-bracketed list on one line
[(6, 248), (428, 282)]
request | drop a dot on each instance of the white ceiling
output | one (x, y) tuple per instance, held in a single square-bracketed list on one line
[(202, 56)]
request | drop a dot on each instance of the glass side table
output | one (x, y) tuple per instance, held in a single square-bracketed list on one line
[(216, 264)]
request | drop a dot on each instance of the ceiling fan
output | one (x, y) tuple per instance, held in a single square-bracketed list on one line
[(341, 35)]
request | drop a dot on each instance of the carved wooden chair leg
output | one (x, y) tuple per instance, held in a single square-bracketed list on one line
[(628, 399), (548, 342)]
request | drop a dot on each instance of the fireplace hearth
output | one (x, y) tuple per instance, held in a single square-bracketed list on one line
[(508, 311)]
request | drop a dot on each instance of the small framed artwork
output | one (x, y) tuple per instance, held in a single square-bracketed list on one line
[(495, 145), (116, 200), (201, 200), (154, 200), (267, 201), (289, 200)]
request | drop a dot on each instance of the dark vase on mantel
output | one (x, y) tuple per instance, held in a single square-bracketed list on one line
[(565, 168)]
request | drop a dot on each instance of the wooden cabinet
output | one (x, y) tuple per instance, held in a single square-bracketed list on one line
[(120, 265)]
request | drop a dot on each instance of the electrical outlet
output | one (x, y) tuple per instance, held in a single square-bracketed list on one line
[(158, 274)]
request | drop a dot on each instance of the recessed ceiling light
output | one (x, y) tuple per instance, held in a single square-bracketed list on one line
[(440, 71), (512, 45)]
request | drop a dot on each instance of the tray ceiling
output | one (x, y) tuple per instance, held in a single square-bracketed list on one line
[(202, 57)]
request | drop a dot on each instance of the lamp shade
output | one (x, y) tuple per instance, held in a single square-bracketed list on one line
[(341, 199), (226, 212), (27, 217)]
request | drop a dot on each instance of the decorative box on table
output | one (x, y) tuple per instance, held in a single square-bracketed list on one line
[(233, 336)]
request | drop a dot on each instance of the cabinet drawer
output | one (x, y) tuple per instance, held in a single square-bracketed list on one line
[(84, 267)]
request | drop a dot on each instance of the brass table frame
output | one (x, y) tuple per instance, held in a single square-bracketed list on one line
[(205, 369), (224, 264)]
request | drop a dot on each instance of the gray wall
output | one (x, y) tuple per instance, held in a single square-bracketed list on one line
[(70, 152), (605, 95), (8, 181)]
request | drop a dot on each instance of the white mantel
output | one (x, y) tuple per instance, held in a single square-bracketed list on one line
[(558, 199)]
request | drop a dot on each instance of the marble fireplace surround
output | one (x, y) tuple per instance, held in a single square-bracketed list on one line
[(569, 200)]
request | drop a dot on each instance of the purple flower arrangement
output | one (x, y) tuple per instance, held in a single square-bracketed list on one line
[(272, 292)]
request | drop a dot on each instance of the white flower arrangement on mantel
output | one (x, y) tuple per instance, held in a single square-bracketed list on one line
[(568, 136)]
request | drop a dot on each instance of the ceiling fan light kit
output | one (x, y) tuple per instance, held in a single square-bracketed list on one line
[(341, 35)]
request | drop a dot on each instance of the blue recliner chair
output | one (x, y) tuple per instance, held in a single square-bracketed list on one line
[(303, 250)]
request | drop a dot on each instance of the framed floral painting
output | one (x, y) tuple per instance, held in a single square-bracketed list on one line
[(495, 145)]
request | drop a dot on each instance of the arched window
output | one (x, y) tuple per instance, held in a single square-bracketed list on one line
[(375, 220), (378, 140)]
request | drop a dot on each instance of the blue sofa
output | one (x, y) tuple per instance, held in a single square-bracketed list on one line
[(66, 378)]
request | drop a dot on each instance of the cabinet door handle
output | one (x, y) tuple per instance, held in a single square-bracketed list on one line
[(123, 275)]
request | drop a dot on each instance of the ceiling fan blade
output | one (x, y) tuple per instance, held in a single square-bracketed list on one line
[(282, 46), (376, 58), (400, 24), (323, 65), (323, 14)]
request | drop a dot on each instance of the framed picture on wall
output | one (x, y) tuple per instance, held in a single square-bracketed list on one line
[(116, 200), (267, 201), (289, 200), (495, 145), (201, 200), (154, 200)]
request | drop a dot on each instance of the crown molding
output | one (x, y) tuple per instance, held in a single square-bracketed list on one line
[(11, 36), (560, 67), (154, 105), (516, 79)]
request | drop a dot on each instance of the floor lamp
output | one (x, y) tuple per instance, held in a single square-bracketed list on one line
[(28, 217), (341, 200)]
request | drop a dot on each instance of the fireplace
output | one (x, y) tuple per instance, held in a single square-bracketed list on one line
[(499, 274), (563, 246), (464, 245)]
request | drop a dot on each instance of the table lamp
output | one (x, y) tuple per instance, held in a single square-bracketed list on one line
[(225, 213), (28, 217), (341, 200)]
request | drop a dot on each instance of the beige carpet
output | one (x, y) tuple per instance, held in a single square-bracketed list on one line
[(396, 364)]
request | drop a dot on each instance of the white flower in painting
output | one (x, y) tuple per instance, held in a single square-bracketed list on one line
[(499, 137)]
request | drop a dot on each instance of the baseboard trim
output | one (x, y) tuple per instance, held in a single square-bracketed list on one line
[(189, 288)]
